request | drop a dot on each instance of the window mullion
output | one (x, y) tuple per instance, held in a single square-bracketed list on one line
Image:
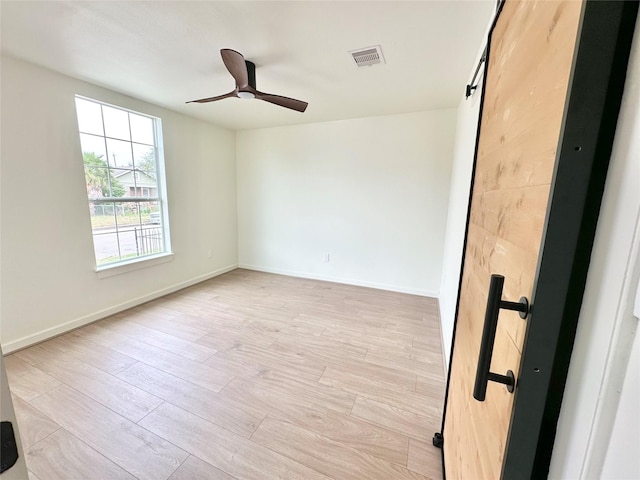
[(106, 149)]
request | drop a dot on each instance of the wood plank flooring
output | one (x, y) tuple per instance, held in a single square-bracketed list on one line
[(247, 376)]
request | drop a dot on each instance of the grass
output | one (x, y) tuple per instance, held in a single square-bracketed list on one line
[(115, 258)]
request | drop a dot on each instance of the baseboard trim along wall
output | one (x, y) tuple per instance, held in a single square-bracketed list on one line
[(49, 333), (346, 281), (445, 358)]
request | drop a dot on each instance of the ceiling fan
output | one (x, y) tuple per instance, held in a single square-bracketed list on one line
[(244, 73)]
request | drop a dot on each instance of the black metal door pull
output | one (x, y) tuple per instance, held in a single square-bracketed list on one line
[(494, 304)]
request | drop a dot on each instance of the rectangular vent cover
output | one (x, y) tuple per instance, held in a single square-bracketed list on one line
[(365, 57)]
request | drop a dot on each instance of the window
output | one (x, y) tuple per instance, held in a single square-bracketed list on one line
[(123, 169)]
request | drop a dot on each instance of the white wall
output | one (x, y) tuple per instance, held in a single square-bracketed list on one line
[(468, 113), (372, 193), (48, 280), (7, 414), (607, 326), (465, 143), (621, 460)]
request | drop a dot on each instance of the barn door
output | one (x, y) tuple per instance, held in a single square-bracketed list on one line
[(539, 90)]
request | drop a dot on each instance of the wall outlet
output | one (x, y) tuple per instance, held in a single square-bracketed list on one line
[(209, 253), (327, 258)]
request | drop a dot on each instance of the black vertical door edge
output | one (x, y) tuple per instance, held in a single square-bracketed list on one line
[(594, 97)]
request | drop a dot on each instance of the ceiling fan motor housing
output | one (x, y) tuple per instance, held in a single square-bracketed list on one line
[(251, 73)]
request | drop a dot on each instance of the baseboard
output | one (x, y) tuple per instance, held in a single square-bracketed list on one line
[(445, 360), (346, 281), (93, 317)]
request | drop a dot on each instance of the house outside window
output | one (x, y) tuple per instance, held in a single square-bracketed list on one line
[(124, 175)]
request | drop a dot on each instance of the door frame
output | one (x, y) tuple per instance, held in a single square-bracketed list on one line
[(593, 102)]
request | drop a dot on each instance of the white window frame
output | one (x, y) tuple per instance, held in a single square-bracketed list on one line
[(140, 261)]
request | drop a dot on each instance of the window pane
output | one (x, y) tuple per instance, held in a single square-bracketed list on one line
[(120, 173), (116, 123), (102, 216), (134, 182), (129, 239), (151, 213), (141, 129), (145, 159), (105, 245), (93, 144), (119, 153), (97, 179), (116, 187), (150, 238), (89, 117), (128, 215), (105, 237), (146, 177)]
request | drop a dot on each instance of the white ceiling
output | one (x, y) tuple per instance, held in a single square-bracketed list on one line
[(167, 52)]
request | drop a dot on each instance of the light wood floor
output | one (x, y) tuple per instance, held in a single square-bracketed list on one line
[(245, 376)]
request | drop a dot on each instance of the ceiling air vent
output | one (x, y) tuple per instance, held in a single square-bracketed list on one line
[(365, 57)]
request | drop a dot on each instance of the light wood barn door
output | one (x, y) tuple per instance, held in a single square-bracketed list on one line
[(530, 57)]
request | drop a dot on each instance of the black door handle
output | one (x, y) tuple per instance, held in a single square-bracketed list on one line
[(494, 304)]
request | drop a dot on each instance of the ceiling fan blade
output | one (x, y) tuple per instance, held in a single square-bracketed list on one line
[(234, 62), (292, 103), (213, 99)]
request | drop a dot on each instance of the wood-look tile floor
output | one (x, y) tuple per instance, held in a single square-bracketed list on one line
[(245, 376)]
